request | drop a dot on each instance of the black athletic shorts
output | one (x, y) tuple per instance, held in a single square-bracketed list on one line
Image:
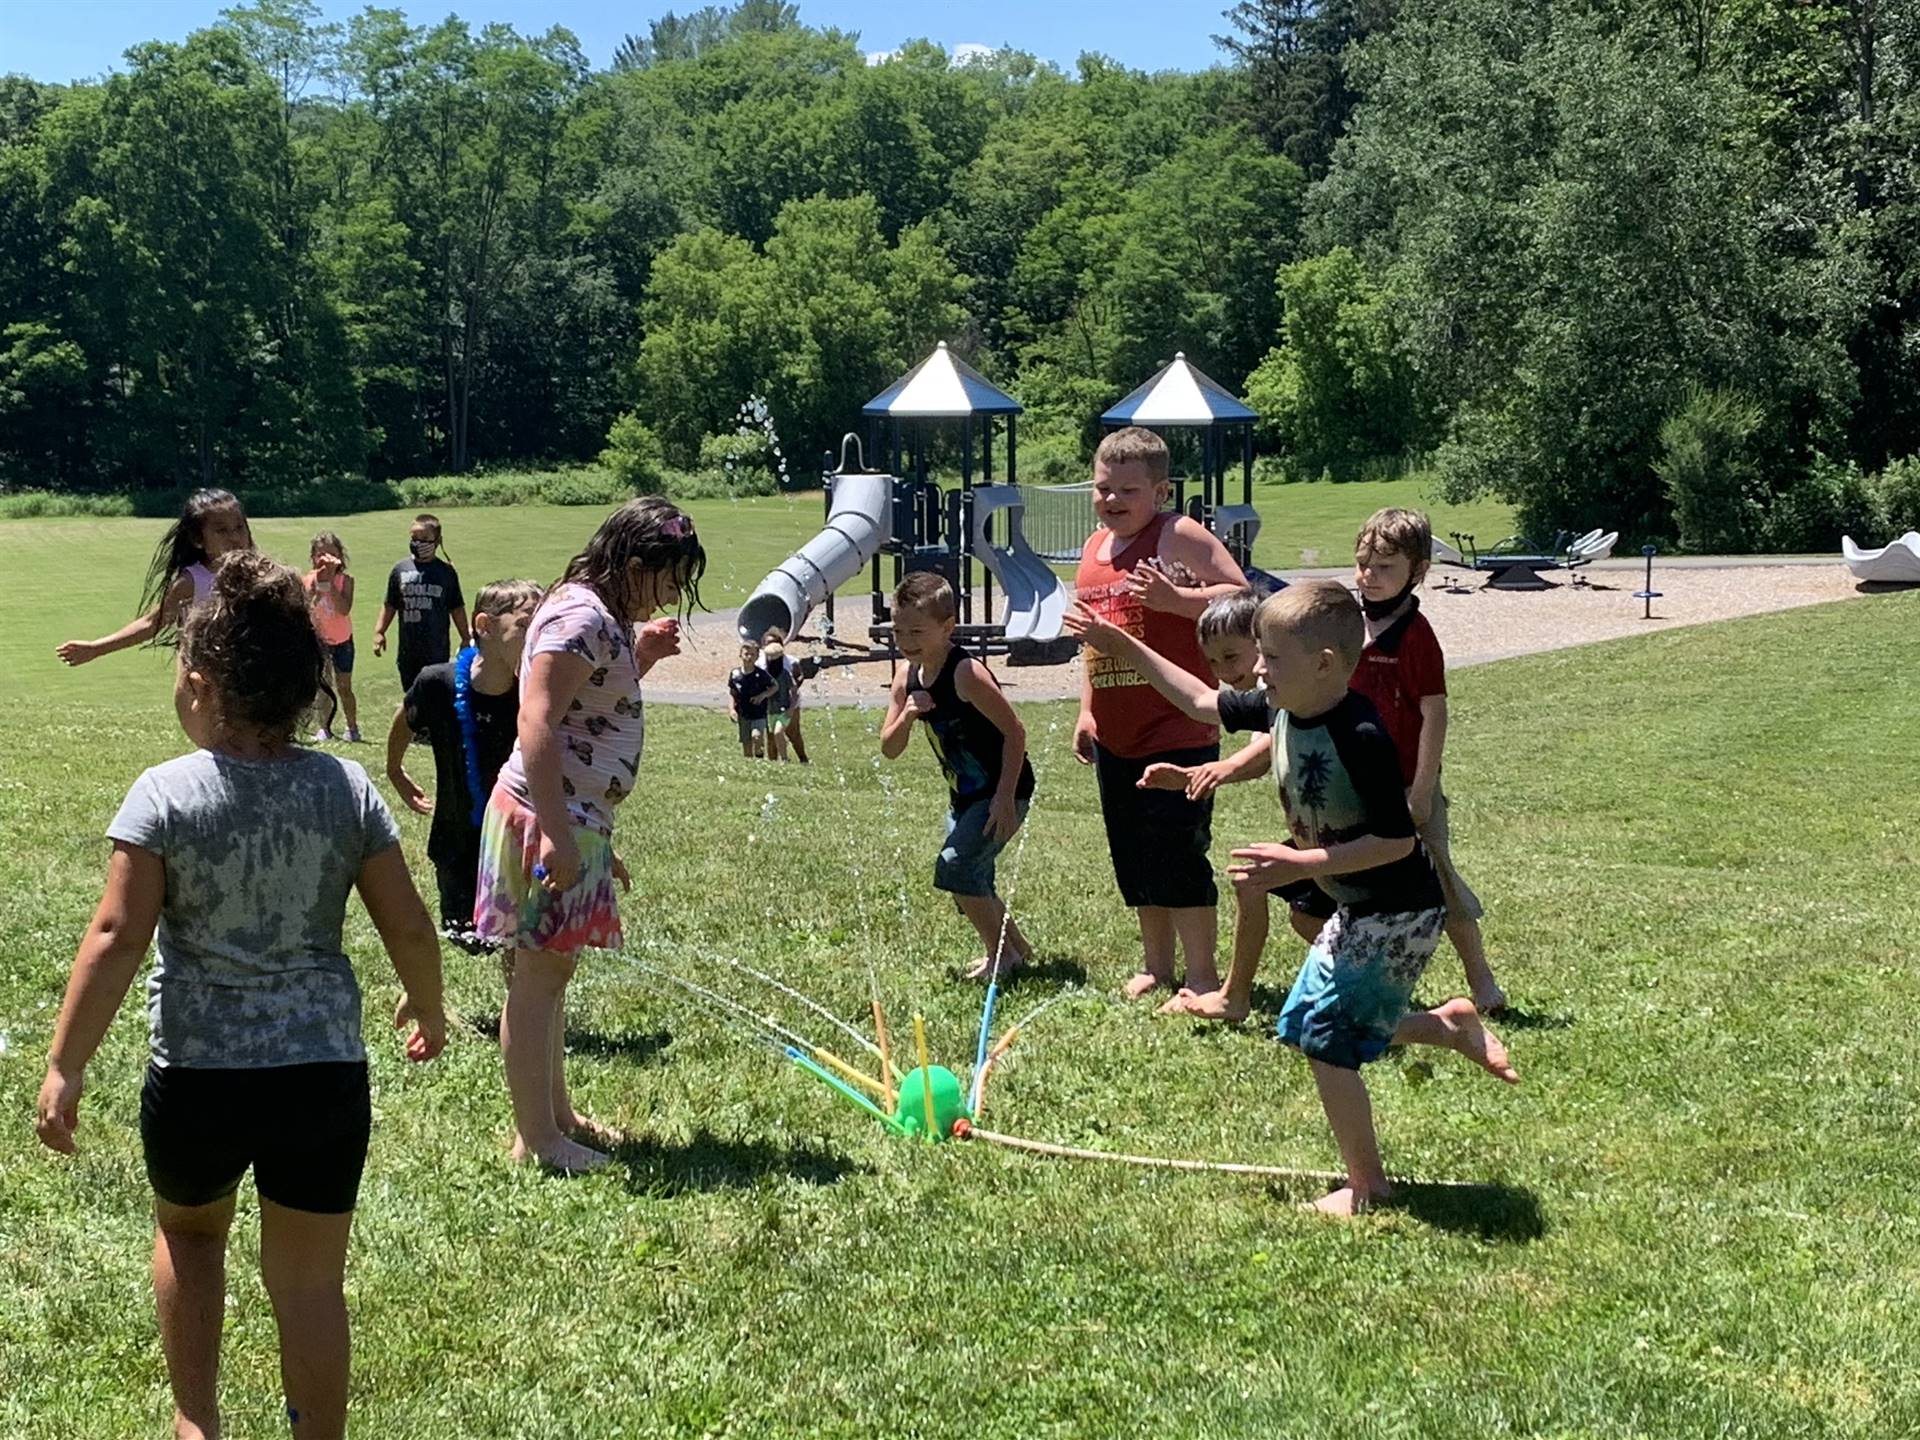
[(1159, 839), (302, 1128)]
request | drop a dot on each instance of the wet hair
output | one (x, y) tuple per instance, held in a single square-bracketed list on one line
[(656, 533), (503, 597), (181, 546), (329, 543), (926, 592), (253, 640), (1229, 615), (1320, 614), (1395, 532), (1135, 446)]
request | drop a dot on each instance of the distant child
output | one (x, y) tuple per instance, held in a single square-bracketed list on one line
[(1403, 671), (980, 744), (424, 590), (798, 673), (211, 524), (547, 866), (1158, 839), (244, 853), (786, 693), (330, 593), (1352, 834), (469, 710), (749, 689)]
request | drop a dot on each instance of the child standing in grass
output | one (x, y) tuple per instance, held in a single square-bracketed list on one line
[(1403, 671), (424, 591), (211, 524), (980, 744), (469, 710), (797, 673), (1352, 834), (330, 592), (749, 688), (547, 866), (1158, 839), (244, 853)]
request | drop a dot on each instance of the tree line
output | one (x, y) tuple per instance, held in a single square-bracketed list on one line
[(1652, 264)]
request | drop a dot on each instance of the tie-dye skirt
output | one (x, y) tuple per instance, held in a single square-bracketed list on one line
[(512, 908)]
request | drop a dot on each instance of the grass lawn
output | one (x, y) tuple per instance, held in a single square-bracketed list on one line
[(1699, 1214)]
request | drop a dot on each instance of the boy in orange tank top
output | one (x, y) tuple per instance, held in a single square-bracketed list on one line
[(1158, 839)]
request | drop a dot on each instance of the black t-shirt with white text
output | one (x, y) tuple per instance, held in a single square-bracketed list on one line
[(424, 597)]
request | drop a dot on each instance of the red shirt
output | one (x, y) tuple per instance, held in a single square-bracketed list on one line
[(1130, 718), (1403, 666)]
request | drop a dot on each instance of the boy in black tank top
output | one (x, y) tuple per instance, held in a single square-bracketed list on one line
[(982, 747)]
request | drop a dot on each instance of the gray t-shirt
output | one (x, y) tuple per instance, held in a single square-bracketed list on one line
[(260, 857)]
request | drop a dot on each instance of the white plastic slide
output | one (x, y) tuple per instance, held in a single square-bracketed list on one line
[(1036, 600), (1895, 564), (1237, 524), (858, 524)]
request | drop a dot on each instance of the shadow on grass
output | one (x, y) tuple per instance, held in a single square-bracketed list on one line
[(711, 1162), (1514, 1018), (1496, 1213), (635, 1048), (1054, 973)]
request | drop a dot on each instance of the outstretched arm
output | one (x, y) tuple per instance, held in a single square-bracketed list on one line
[(1188, 692), (170, 610)]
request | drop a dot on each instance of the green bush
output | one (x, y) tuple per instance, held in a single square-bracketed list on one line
[(1710, 471), (1832, 498), (1897, 491), (634, 455), (743, 454), (1054, 458), (587, 487), (45, 504)]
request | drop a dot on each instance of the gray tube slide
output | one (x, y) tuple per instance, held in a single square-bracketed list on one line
[(858, 524)]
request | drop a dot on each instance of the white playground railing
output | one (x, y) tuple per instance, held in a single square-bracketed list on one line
[(1058, 520)]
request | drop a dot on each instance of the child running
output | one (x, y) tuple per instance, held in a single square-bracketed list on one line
[(547, 866), (1158, 839), (786, 690), (469, 710), (1352, 834), (211, 524), (798, 673), (980, 744), (244, 853), (330, 592), (1403, 671), (749, 689), (424, 590)]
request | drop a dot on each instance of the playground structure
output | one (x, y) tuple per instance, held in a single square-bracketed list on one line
[(903, 512), (1894, 564), (974, 533), (1516, 563)]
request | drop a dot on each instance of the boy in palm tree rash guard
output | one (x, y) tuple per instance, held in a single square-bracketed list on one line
[(1351, 833), (980, 744)]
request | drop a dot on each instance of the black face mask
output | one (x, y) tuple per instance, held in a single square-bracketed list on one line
[(1380, 609), (423, 549)]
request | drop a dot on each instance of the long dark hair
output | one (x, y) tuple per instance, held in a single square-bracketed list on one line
[(253, 639), (181, 546), (653, 531)]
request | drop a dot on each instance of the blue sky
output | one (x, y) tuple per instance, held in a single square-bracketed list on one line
[(61, 40)]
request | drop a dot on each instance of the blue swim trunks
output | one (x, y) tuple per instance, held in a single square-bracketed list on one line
[(965, 864), (1354, 987)]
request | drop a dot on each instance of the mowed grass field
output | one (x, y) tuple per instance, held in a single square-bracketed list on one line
[(1697, 1216)]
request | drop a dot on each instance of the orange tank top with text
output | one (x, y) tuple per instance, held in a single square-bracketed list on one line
[(1130, 718)]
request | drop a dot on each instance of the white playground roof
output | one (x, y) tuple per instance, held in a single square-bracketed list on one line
[(1180, 394), (942, 386)]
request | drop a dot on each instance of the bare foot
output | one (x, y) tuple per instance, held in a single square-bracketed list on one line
[(589, 1130), (564, 1156), (1490, 1001), (1145, 983), (1473, 1040), (1010, 965), (1346, 1202), (1213, 1005)]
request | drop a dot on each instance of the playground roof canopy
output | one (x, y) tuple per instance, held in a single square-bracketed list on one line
[(1180, 394), (942, 386)]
